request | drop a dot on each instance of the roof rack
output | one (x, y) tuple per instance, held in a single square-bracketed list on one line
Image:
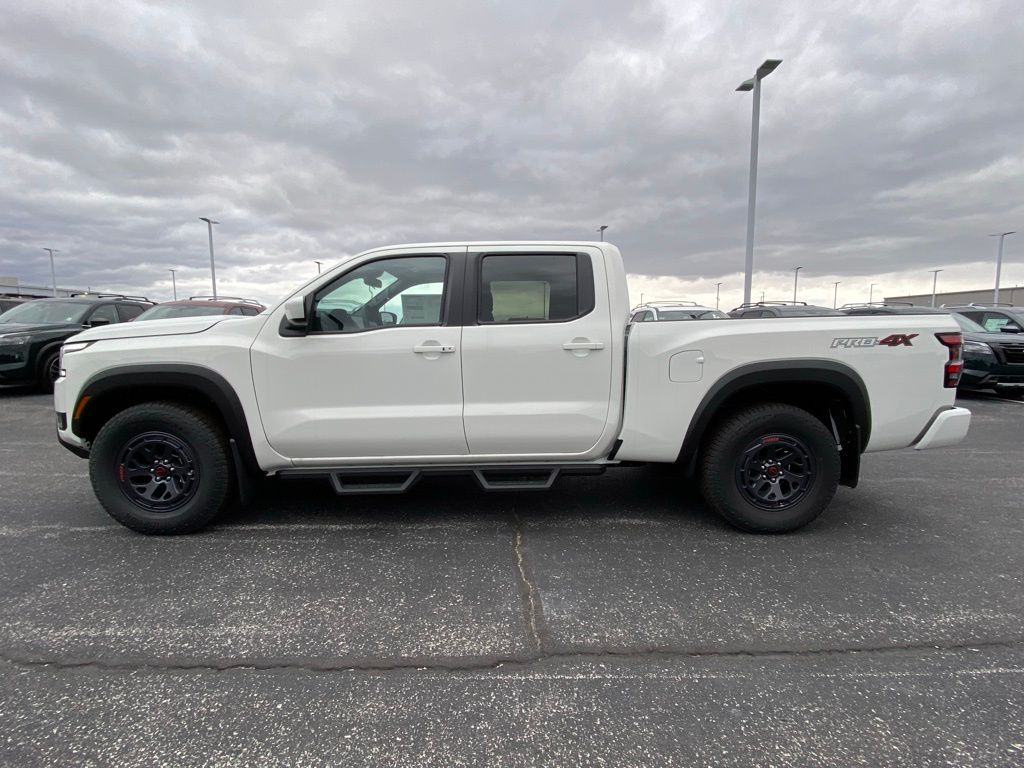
[(110, 296), (853, 304), (989, 304), (674, 302), (748, 304), (224, 298)]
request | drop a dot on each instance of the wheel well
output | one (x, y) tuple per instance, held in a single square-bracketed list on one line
[(836, 398), (102, 407)]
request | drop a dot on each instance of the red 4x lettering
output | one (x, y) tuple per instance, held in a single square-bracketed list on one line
[(897, 340)]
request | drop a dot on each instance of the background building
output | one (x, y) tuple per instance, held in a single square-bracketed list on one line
[(12, 285), (1012, 295)]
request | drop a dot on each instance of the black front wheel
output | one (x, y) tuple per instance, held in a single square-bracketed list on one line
[(770, 468), (49, 370), (161, 468)]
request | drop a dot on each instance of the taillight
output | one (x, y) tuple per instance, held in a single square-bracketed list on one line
[(954, 342)]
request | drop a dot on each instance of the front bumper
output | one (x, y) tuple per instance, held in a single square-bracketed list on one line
[(948, 427), (63, 404)]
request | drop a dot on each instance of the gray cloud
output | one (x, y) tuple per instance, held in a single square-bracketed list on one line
[(890, 135)]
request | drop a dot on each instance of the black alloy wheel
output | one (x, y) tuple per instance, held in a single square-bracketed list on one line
[(775, 472), (158, 471)]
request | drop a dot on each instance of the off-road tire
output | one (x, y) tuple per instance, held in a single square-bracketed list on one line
[(203, 441), (757, 428)]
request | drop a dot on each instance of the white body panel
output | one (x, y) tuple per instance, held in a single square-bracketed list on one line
[(527, 395), (903, 383), (509, 393), (223, 349)]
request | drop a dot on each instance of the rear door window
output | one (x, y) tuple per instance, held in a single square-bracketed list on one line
[(540, 288)]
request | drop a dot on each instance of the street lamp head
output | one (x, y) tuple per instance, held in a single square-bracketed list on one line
[(767, 68), (746, 85), (208, 221), (1001, 234), (602, 228)]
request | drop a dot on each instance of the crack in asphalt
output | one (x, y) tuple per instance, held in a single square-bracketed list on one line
[(531, 595), (484, 663)]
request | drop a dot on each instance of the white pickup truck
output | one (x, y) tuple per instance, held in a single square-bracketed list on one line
[(511, 362)]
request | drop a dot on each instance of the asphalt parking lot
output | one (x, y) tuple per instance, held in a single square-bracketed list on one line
[(614, 621)]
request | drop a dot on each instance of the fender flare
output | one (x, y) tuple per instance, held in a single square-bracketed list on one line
[(810, 371), (175, 376)]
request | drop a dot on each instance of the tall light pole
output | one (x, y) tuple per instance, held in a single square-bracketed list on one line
[(601, 229), (871, 293), (754, 84), (796, 275), (53, 272), (213, 268), (718, 295), (174, 283), (318, 263), (999, 263), (835, 293), (935, 282)]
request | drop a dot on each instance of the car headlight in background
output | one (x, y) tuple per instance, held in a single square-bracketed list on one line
[(978, 348), (13, 339), (71, 346)]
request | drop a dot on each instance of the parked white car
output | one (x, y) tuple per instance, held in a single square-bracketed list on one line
[(674, 310), (510, 362)]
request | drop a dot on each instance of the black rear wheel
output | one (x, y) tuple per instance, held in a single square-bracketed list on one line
[(161, 468), (770, 468)]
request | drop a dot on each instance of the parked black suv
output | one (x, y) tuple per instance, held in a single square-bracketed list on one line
[(996, 318), (781, 309), (992, 359), (31, 333)]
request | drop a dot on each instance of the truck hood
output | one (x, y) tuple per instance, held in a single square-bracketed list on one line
[(6, 328), (174, 326)]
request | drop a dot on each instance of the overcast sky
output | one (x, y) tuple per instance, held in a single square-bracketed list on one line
[(892, 138)]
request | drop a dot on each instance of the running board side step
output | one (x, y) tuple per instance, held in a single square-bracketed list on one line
[(380, 481), (521, 480), (491, 477)]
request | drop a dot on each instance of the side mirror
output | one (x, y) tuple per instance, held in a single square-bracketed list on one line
[(388, 318), (98, 322), (295, 312), (1010, 328)]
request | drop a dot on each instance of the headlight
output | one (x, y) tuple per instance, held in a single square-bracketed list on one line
[(978, 348), (13, 339), (73, 346)]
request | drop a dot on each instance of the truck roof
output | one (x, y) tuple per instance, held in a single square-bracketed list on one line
[(498, 243)]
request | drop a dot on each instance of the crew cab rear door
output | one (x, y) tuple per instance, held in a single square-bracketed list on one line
[(536, 351)]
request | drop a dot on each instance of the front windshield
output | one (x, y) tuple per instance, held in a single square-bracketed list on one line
[(969, 325), (164, 311), (46, 313)]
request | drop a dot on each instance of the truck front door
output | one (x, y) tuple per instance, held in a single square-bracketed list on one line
[(378, 372)]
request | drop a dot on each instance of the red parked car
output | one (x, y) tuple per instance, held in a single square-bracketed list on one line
[(202, 305)]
